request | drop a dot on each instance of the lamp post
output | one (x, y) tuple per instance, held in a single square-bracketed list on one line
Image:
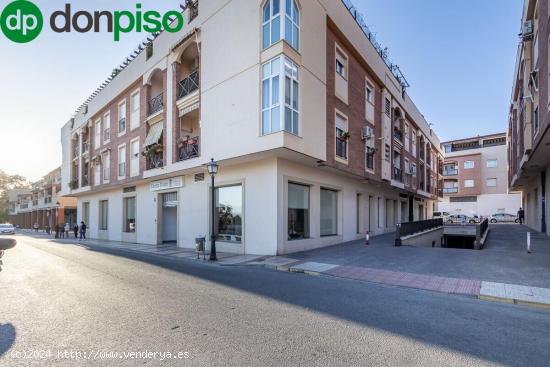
[(212, 167)]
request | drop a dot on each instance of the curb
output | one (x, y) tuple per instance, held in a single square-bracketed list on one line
[(514, 301)]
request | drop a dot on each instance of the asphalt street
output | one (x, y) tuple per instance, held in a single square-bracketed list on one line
[(65, 305)]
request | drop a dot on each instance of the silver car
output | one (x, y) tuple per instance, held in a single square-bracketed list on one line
[(504, 218), (7, 229)]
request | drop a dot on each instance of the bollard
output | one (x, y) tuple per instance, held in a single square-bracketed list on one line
[(367, 238), (528, 242)]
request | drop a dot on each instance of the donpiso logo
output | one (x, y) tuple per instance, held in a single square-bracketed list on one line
[(21, 21)]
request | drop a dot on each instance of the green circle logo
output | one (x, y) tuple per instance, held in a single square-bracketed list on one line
[(21, 21)]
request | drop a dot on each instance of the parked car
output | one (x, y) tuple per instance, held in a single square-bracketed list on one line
[(444, 215), (458, 218), (504, 218), (7, 229), (474, 219)]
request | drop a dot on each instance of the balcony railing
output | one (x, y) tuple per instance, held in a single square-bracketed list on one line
[(155, 160), (450, 172), (188, 84), (189, 149), (450, 190), (398, 134), (156, 104), (193, 9), (342, 148), (398, 174)]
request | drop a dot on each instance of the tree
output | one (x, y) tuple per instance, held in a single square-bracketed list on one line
[(9, 182)]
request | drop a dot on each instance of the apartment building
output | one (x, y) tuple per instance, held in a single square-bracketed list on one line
[(475, 177), (41, 204), (316, 138), (528, 129)]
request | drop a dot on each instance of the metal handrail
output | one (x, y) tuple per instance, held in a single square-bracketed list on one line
[(189, 84), (156, 104), (407, 229), (190, 149)]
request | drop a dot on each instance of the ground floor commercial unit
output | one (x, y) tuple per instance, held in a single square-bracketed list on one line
[(271, 206), (44, 218), (483, 205), (535, 201)]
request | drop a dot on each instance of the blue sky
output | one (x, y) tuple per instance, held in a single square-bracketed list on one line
[(458, 56)]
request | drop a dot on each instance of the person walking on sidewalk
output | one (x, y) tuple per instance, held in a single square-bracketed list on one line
[(56, 229), (75, 230), (521, 215), (61, 231), (82, 230), (67, 230), (36, 226)]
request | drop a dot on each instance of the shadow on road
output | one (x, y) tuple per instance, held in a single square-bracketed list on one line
[(7, 337)]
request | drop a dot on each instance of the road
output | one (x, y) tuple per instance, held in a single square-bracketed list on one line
[(65, 305)]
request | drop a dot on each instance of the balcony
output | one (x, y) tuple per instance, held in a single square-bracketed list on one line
[(450, 172), (155, 161), (156, 104), (398, 134), (450, 190), (398, 174), (188, 148), (188, 85)]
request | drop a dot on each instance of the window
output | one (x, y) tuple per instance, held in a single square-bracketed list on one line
[(273, 28), (492, 163), (341, 139), (134, 158), (298, 211), (369, 101), (407, 139), (491, 182), (122, 162), (134, 110), (273, 94), (369, 93), (341, 64), (413, 143), (229, 213), (387, 151), (103, 215), (122, 118), (97, 134), (129, 208), (469, 164), (329, 212), (106, 128), (369, 159), (106, 160), (413, 169), (469, 183), (387, 107)]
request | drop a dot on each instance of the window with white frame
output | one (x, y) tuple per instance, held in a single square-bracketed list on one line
[(122, 162), (492, 163), (280, 83), (369, 102), (469, 164), (329, 212), (106, 161), (469, 183), (275, 29), (341, 137), (122, 117), (103, 215), (134, 110), (134, 158), (407, 137), (106, 128), (491, 182), (341, 64), (129, 215), (413, 143), (97, 134)]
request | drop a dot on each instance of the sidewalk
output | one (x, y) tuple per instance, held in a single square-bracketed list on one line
[(485, 290)]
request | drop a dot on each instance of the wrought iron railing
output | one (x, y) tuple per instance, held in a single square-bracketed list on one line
[(156, 104), (193, 9), (155, 161), (189, 149), (342, 148), (398, 174), (189, 84), (398, 134)]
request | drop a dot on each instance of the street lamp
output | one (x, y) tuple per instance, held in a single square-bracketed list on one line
[(212, 167)]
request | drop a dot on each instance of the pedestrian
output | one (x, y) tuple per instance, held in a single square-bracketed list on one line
[(61, 231), (521, 215), (56, 228), (67, 229), (82, 230), (75, 230), (36, 226)]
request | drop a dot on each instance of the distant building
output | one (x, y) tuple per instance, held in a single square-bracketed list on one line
[(41, 204), (475, 177), (529, 120)]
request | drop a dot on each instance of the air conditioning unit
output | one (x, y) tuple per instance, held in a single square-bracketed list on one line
[(527, 30)]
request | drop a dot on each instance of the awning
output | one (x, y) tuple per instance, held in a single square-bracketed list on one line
[(154, 134), (191, 108)]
